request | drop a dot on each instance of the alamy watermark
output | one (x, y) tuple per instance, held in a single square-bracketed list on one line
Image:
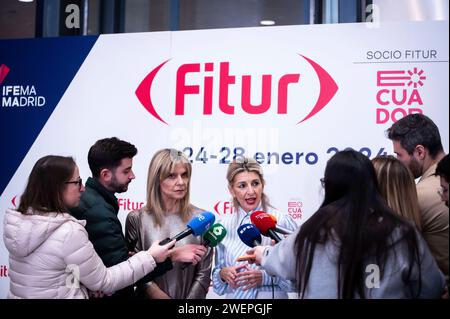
[(373, 17), (73, 17), (373, 276)]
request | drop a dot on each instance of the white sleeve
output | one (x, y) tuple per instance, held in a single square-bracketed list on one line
[(88, 268), (280, 259)]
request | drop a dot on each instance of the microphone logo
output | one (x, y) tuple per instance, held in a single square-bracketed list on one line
[(244, 228), (218, 230)]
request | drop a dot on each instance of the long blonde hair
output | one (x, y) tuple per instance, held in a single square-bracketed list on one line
[(397, 186), (161, 166), (245, 164)]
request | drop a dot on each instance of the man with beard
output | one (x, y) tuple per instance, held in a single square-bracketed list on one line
[(111, 162), (417, 143)]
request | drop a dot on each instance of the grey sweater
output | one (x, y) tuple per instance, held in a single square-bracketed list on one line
[(280, 260)]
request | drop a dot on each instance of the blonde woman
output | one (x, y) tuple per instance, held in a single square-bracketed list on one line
[(397, 187), (238, 280), (166, 214)]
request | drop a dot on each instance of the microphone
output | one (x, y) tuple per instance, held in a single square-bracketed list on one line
[(214, 235), (280, 229), (211, 238), (249, 235), (197, 226), (265, 224)]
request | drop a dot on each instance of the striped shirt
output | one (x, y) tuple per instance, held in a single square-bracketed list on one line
[(232, 247)]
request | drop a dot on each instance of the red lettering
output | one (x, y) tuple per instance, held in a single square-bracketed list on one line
[(379, 101), (285, 80), (265, 95), (225, 80), (395, 100), (415, 98), (129, 205), (397, 111), (382, 116), (294, 210), (398, 97), (3, 271), (182, 88), (208, 94)]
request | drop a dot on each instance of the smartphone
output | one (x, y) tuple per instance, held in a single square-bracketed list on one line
[(246, 257)]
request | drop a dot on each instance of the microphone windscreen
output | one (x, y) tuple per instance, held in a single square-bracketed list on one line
[(249, 234), (274, 218), (258, 212), (262, 221), (214, 235), (201, 223)]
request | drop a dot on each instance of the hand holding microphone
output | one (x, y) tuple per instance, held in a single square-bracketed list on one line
[(161, 252), (190, 253), (197, 226), (211, 238)]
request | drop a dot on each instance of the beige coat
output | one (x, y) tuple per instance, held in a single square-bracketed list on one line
[(434, 216), (50, 256)]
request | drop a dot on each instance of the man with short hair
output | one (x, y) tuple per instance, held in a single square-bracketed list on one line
[(111, 162), (417, 143)]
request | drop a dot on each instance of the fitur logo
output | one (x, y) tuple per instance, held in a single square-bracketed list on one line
[(210, 77), (224, 208), (129, 205), (18, 95)]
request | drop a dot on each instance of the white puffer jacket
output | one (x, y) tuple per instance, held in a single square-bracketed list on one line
[(50, 256)]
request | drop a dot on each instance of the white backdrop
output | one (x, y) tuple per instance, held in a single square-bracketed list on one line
[(361, 59)]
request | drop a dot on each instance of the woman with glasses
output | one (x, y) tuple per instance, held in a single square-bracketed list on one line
[(50, 255), (354, 246), (238, 279)]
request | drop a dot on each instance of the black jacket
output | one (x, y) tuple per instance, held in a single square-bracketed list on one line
[(99, 207)]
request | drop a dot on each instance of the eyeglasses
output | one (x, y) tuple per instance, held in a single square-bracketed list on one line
[(79, 182)]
